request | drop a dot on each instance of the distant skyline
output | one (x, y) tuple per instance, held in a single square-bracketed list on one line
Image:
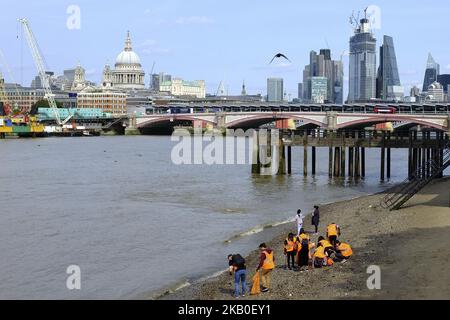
[(215, 41)]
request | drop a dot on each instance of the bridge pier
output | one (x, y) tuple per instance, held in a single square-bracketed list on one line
[(343, 161)]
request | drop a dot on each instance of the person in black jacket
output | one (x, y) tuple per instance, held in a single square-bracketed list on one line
[(237, 264), (315, 219)]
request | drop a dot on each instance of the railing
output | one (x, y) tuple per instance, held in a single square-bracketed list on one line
[(423, 175)]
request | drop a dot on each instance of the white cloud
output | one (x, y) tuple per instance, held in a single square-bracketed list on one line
[(194, 20), (447, 67)]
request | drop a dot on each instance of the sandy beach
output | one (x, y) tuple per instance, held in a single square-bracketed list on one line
[(409, 245)]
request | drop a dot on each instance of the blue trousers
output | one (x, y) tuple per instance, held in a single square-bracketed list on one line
[(239, 276)]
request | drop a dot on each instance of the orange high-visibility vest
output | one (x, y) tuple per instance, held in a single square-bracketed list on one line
[(320, 253), (326, 244), (303, 236), (290, 245), (345, 249), (268, 262), (332, 230)]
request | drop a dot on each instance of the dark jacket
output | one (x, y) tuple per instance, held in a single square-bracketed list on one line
[(238, 262), (315, 217)]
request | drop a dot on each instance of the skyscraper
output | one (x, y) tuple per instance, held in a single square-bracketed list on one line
[(275, 89), (321, 65), (363, 60), (431, 73), (388, 79)]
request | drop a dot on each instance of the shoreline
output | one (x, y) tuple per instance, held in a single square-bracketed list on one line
[(182, 284), (376, 236)]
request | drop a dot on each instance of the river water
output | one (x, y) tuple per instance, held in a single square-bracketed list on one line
[(133, 221)]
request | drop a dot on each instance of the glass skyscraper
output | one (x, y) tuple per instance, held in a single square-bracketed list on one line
[(388, 79), (322, 66), (431, 73), (363, 60)]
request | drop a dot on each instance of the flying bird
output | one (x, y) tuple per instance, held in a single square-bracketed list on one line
[(279, 55)]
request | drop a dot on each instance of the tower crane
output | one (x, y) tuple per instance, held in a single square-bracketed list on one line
[(39, 62)]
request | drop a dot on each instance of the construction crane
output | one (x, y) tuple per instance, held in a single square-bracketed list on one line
[(39, 62)]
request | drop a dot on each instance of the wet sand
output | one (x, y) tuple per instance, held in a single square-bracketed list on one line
[(411, 247)]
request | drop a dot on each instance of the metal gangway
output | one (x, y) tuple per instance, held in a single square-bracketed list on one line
[(424, 174)]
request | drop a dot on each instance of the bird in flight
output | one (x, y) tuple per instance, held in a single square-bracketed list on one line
[(279, 55)]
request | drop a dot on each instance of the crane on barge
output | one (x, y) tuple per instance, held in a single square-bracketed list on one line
[(39, 62)]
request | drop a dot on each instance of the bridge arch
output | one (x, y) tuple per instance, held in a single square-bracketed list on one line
[(369, 121), (171, 119), (252, 121)]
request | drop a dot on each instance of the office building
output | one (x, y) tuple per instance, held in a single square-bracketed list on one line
[(275, 90), (321, 65), (363, 60), (431, 72), (388, 80)]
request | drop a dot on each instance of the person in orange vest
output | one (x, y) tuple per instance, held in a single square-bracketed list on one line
[(290, 250), (320, 256), (328, 247), (266, 264), (333, 231), (343, 251)]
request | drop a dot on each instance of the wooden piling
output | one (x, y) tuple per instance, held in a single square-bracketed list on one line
[(357, 164), (305, 160), (289, 159), (330, 161), (351, 158), (337, 161), (313, 161), (363, 162)]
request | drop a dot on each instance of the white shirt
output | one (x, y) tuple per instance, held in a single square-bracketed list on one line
[(299, 219)]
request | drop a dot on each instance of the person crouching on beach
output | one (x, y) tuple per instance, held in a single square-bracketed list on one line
[(290, 250), (328, 247), (333, 231), (343, 251), (237, 265), (266, 264), (320, 257), (299, 221)]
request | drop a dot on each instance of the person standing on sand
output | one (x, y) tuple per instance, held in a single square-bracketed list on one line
[(333, 231), (290, 250), (237, 264), (266, 264), (315, 219), (299, 221)]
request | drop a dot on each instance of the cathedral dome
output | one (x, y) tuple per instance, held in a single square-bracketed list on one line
[(128, 59)]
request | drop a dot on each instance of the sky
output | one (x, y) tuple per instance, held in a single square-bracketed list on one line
[(211, 40)]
